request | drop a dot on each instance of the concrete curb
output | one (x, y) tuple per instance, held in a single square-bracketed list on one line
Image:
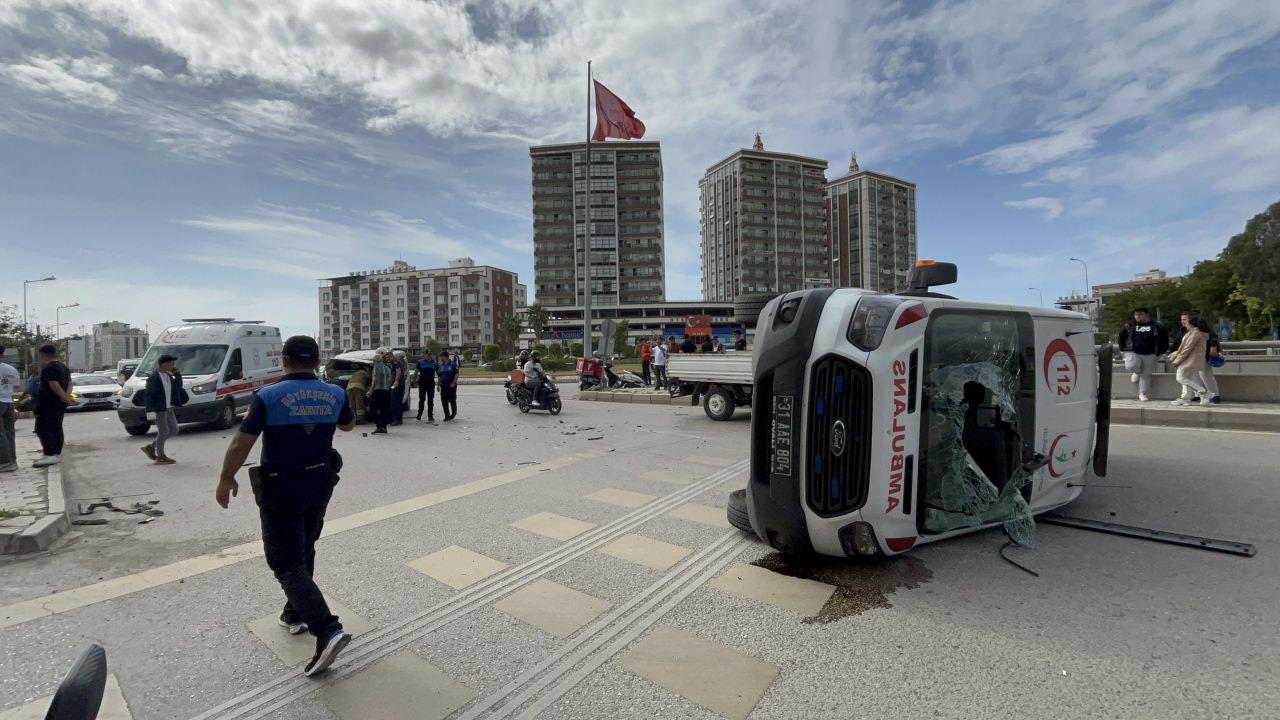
[(1216, 418), (43, 532), (1209, 418)]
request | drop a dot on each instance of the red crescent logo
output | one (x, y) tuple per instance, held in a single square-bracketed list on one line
[(1053, 448), (1060, 380)]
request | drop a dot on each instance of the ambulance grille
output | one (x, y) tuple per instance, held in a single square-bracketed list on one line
[(839, 405)]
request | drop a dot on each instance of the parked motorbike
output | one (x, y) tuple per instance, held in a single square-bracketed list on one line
[(524, 398)]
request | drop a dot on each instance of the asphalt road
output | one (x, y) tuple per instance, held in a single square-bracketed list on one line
[(636, 604)]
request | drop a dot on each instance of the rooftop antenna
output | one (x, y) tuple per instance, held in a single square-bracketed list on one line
[(758, 144)]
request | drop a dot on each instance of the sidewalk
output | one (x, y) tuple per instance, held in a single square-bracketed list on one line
[(36, 495)]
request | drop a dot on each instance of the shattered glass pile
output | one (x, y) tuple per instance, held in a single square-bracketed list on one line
[(960, 492)]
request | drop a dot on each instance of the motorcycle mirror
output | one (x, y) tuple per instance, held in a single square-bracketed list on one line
[(79, 695)]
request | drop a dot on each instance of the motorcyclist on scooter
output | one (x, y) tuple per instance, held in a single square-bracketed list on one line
[(534, 378)]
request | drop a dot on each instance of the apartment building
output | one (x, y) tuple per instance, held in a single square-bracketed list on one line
[(618, 205), (872, 221), (462, 305), (764, 224), (113, 341)]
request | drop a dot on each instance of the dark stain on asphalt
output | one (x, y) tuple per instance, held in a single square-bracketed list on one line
[(860, 586)]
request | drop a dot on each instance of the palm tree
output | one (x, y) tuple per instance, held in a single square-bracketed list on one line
[(510, 330), (537, 317)]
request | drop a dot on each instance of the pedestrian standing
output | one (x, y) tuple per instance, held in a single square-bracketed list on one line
[(8, 415), (1142, 340), (716, 345), (688, 346), (164, 393), (427, 369), (33, 392), (646, 359), (399, 380), (292, 486), (53, 400), (449, 385), (1189, 359), (739, 342), (660, 365), (1212, 353), (672, 347), (380, 391)]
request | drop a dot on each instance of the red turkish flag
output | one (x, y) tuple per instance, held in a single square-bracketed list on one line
[(614, 118)]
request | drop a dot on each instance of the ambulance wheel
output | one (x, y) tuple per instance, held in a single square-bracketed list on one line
[(719, 404), (524, 405), (226, 416), (555, 406), (736, 510), (142, 429)]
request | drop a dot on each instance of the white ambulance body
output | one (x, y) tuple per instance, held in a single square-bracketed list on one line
[(222, 362), (881, 422)]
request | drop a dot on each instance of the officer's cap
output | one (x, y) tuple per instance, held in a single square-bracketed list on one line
[(301, 347)]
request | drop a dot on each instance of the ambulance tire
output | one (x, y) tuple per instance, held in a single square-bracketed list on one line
[(226, 416), (747, 308), (736, 510)]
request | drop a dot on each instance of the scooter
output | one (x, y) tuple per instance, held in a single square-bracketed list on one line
[(524, 398), (511, 393)]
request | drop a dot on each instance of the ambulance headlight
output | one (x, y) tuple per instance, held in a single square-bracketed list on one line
[(203, 388), (858, 539), (871, 320)]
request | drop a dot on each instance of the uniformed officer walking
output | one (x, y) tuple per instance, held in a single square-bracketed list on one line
[(292, 485)]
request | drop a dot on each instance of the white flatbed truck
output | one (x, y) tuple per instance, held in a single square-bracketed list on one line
[(722, 381)]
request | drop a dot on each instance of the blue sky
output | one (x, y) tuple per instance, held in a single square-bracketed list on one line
[(193, 158)]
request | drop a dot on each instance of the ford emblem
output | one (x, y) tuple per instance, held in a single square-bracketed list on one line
[(838, 438)]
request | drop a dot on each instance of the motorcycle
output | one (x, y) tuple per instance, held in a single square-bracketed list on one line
[(627, 379), (524, 398), (511, 393)]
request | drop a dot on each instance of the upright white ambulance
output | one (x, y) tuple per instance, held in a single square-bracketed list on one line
[(881, 422), (222, 362)]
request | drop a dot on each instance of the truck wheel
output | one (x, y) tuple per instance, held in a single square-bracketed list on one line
[(736, 510), (719, 404), (138, 429), (226, 416)]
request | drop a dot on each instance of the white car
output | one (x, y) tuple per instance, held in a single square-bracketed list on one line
[(95, 390)]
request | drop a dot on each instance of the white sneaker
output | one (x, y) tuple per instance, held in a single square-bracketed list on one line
[(1179, 401), (47, 460), (1143, 398), (1133, 378)]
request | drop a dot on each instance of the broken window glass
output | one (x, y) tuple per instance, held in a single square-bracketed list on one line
[(973, 437)]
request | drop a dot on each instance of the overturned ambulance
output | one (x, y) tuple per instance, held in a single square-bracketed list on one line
[(880, 422)]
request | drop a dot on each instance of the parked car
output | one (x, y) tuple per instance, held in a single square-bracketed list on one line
[(95, 391)]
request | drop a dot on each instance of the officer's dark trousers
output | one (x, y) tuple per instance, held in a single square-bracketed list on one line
[(427, 397), (292, 508), (49, 428), (397, 403), (449, 400), (380, 407)]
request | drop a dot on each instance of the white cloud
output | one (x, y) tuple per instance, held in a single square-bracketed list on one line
[(267, 117), (1028, 154), (1089, 207), (149, 72), (1049, 207), (79, 80)]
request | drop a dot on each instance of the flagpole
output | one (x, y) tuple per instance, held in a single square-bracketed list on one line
[(586, 235)]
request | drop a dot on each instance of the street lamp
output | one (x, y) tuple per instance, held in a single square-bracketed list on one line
[(25, 325), (1088, 291), (57, 318), (1041, 295)]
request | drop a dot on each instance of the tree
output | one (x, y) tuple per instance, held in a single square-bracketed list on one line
[(510, 329), (466, 355), (620, 339), (14, 335), (1165, 300), (575, 349), (1208, 290), (556, 350), (537, 317), (491, 353), (1255, 256), (433, 345)]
